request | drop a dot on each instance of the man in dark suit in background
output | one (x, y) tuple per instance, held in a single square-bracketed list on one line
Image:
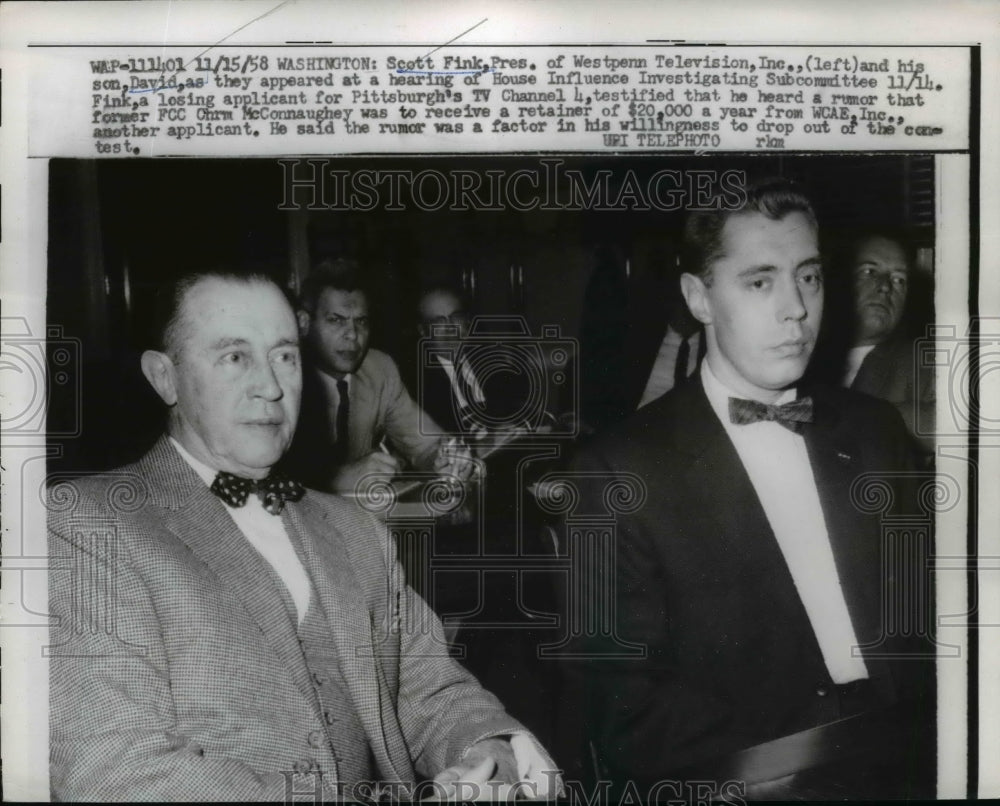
[(638, 339), (882, 360), (467, 387), (482, 389), (665, 343), (748, 574), (448, 391)]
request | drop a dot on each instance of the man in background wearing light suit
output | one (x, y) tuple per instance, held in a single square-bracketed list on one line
[(224, 634), (355, 408)]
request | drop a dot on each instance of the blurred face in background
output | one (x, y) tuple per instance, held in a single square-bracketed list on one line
[(442, 316)]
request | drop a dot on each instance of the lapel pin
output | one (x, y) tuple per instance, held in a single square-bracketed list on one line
[(843, 457)]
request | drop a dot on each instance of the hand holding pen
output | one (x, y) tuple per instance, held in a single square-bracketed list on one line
[(378, 462), (454, 459)]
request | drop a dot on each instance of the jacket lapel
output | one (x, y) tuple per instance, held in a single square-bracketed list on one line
[(201, 521), (836, 457), (878, 372), (364, 408), (714, 466), (330, 568), (716, 473)]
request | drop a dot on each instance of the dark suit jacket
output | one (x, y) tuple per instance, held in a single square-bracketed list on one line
[(176, 673), (618, 368), (889, 372), (701, 581)]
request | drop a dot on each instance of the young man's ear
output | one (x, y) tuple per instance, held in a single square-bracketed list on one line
[(304, 320), (696, 295), (159, 371)]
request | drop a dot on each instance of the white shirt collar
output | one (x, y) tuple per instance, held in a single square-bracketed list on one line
[(266, 533), (855, 358), (333, 379), (330, 384), (204, 471)]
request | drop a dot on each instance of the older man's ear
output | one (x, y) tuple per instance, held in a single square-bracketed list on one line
[(159, 371)]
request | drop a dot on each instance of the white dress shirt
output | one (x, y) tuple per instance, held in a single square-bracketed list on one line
[(266, 533), (778, 465), (855, 358)]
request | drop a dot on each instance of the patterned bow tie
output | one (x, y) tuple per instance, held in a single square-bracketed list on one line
[(272, 491), (791, 415)]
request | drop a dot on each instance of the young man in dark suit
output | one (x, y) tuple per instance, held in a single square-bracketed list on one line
[(750, 575)]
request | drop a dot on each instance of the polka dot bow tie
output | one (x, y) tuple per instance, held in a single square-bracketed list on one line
[(272, 491), (791, 415)]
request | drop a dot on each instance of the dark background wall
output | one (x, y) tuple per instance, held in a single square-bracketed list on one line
[(119, 228)]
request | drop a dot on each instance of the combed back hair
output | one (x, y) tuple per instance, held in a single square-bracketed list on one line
[(897, 235), (702, 241), (168, 323), (340, 274)]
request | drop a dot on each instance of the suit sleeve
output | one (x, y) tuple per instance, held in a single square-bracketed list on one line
[(925, 397), (113, 726), (442, 708), (412, 431)]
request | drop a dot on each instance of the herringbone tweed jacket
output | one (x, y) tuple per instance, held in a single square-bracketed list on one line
[(176, 672)]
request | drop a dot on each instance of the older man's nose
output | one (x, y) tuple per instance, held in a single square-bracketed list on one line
[(266, 383)]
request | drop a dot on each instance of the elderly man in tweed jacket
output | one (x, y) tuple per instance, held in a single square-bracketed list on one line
[(224, 635)]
